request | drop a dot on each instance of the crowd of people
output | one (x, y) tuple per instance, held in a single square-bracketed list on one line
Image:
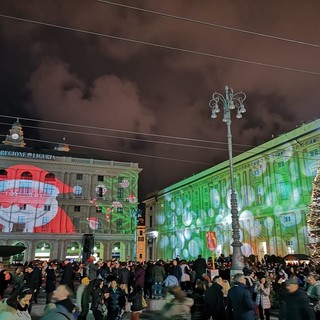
[(196, 290)]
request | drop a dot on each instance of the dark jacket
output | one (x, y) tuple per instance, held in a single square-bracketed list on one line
[(296, 306), (116, 299), (200, 267), (198, 311), (214, 302), (97, 299), (239, 303), (136, 298), (50, 280), (67, 275), (124, 276)]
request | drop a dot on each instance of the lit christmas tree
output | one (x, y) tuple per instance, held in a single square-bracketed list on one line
[(313, 221)]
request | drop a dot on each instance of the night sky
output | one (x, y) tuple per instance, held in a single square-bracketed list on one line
[(72, 62)]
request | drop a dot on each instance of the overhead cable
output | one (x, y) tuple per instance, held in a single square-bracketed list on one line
[(205, 54)]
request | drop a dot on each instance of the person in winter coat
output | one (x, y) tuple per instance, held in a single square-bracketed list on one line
[(185, 277), (240, 305), (98, 301), (124, 277), (83, 298), (17, 279), (296, 303), (200, 267), (16, 306), (103, 273), (139, 276), (148, 280), (67, 275), (115, 300), (170, 281), (50, 280), (262, 289), (158, 274), (214, 300), (63, 303), (198, 311), (177, 271), (135, 297)]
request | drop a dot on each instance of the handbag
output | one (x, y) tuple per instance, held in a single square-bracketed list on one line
[(143, 302)]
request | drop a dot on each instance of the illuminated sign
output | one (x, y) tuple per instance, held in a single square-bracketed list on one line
[(30, 155)]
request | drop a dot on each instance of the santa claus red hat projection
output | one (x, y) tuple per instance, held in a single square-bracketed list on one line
[(28, 199)]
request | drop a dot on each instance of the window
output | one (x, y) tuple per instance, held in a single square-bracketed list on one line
[(120, 193), (21, 219), (77, 190), (50, 177), (26, 175), (119, 210), (119, 224), (3, 172), (150, 220), (120, 179), (314, 153), (100, 178), (23, 206), (45, 220), (49, 189), (98, 209), (76, 222), (76, 208), (47, 207), (25, 186), (99, 191), (79, 176)]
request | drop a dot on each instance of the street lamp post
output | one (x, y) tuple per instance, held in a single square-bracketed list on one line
[(229, 102)]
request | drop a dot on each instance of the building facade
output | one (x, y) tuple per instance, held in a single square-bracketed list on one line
[(273, 183), (50, 199)]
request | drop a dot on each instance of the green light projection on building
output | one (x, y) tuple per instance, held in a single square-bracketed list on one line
[(273, 184)]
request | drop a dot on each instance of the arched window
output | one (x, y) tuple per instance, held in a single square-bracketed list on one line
[(50, 177), (26, 175), (3, 172)]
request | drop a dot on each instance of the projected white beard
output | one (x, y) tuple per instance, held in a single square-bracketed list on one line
[(30, 206)]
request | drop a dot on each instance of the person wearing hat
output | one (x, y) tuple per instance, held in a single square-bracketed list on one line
[(83, 298), (296, 302)]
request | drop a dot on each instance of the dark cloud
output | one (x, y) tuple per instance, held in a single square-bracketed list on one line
[(66, 76)]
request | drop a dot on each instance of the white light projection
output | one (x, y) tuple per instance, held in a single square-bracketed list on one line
[(248, 192), (296, 195), (211, 213), (268, 223), (187, 217), (215, 198), (246, 249), (164, 242), (161, 219), (310, 167), (195, 246), (187, 234)]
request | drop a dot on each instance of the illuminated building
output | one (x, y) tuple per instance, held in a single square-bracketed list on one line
[(50, 198), (273, 183)]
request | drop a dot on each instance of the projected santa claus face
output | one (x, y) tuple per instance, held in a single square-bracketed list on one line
[(30, 201)]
